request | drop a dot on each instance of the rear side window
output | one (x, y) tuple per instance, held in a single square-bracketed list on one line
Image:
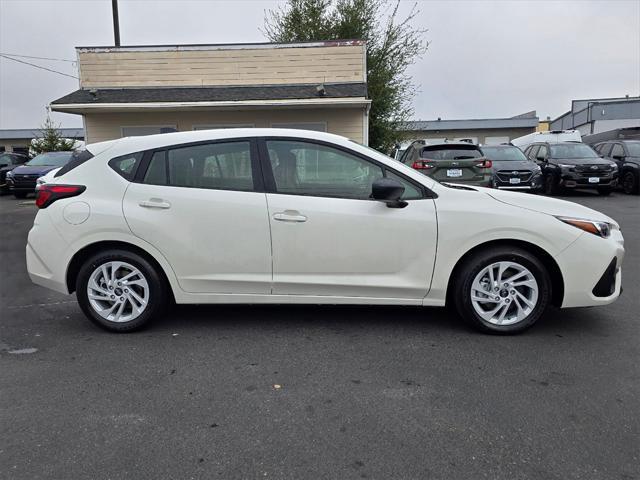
[(77, 158), (218, 166), (126, 165)]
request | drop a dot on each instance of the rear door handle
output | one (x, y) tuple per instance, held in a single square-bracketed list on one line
[(290, 216), (155, 203)]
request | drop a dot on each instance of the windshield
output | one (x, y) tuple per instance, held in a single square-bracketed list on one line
[(450, 153), (634, 149), (501, 154), (58, 159), (572, 150)]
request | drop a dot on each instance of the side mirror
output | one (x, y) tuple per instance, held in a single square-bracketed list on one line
[(389, 191)]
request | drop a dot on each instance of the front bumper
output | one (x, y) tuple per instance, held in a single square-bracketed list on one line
[(585, 263), (535, 183), (22, 184), (576, 180)]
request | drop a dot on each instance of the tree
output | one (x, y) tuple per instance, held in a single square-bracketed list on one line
[(392, 46), (50, 139)]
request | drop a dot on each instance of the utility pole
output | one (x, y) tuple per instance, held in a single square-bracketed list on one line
[(116, 22)]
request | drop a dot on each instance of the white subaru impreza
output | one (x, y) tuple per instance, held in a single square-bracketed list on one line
[(291, 216)]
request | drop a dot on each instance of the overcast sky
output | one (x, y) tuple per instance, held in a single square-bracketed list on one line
[(485, 59)]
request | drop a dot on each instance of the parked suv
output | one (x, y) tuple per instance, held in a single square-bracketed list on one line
[(459, 162), (22, 180), (511, 169), (9, 161), (573, 165), (626, 154)]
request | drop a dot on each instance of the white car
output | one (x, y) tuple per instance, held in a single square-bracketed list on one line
[(48, 178), (291, 216)]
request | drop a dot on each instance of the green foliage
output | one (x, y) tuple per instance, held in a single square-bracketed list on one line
[(50, 140), (393, 44)]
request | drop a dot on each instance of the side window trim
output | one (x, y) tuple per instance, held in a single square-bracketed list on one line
[(256, 166), (270, 183)]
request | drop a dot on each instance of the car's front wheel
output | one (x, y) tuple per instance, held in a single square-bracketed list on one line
[(120, 290), (551, 185), (20, 195), (631, 183), (502, 290)]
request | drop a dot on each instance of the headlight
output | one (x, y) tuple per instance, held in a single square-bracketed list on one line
[(40, 181), (601, 229), (9, 174), (614, 167), (564, 166)]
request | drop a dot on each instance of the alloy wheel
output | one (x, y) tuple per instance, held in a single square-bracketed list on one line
[(504, 293), (118, 291)]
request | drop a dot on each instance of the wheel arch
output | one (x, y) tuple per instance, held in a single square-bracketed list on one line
[(557, 281), (78, 259)]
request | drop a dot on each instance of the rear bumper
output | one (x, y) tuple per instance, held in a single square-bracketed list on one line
[(586, 266)]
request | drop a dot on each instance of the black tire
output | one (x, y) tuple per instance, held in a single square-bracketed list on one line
[(631, 183), (551, 186), (475, 264), (604, 191), (157, 290), (20, 194)]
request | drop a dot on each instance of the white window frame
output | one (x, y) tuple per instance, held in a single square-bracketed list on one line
[(122, 127), (215, 126), (298, 125)]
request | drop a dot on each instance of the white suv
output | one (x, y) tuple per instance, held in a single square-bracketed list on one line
[(290, 216)]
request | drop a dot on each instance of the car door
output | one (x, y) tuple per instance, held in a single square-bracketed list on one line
[(202, 206), (329, 238)]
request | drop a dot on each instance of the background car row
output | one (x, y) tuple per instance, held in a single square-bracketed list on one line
[(22, 178), (547, 162)]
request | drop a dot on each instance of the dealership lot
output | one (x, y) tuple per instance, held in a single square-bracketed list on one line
[(324, 392)]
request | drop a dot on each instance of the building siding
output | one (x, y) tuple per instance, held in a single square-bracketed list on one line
[(347, 122), (242, 66)]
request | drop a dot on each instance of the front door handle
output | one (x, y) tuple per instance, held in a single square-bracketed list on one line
[(290, 216), (155, 203)]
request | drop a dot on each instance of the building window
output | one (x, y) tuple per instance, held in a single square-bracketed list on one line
[(315, 126), (224, 125), (22, 150), (147, 130)]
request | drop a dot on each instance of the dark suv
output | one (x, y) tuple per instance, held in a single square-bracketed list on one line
[(511, 169), (573, 165), (459, 162), (9, 161), (626, 154)]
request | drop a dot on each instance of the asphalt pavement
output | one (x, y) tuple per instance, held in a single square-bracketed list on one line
[(316, 392)]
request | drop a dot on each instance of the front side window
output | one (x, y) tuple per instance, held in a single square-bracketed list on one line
[(617, 151), (220, 166), (542, 153), (309, 169), (302, 168)]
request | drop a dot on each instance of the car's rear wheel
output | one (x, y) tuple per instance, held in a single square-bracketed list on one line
[(631, 183), (502, 290), (120, 290)]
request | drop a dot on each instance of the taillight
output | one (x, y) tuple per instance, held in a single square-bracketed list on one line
[(484, 164), (47, 194), (422, 165)]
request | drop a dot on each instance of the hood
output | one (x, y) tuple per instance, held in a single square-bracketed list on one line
[(548, 205), (8, 168), (513, 165), (582, 161), (34, 170)]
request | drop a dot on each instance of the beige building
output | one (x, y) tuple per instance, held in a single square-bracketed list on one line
[(126, 91)]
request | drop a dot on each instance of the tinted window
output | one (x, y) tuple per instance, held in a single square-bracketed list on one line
[(502, 154), (52, 159), (533, 150), (126, 165), (572, 150), (156, 174), (617, 151), (310, 169), (450, 153), (543, 152), (78, 158), (633, 148), (223, 166), (604, 149)]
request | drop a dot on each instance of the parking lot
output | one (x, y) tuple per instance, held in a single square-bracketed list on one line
[(316, 392)]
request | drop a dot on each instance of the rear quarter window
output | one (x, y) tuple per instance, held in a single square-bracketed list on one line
[(126, 165)]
